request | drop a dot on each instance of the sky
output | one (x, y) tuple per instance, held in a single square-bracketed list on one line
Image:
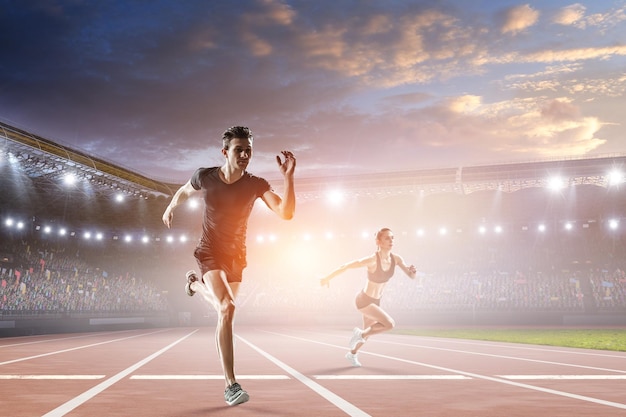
[(351, 87)]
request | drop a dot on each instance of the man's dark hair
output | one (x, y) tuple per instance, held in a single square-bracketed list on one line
[(235, 132)]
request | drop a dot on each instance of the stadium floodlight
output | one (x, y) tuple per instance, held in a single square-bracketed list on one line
[(615, 177), (263, 239), (443, 231), (119, 197), (9, 222), (556, 183), (69, 178), (482, 230), (99, 236), (183, 239), (569, 226), (169, 239), (613, 224), (420, 232), (145, 239), (498, 229), (87, 235), (128, 238), (541, 228), (335, 197), (193, 203), (62, 231)]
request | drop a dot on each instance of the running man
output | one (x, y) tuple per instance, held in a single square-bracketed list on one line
[(229, 193), (380, 268)]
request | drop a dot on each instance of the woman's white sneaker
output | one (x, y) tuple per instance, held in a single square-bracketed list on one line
[(353, 358), (357, 337)]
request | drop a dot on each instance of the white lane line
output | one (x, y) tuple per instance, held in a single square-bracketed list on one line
[(327, 377), (509, 382), (564, 377), (330, 396), (491, 355), (520, 346), (473, 375), (52, 376), (76, 348), (212, 377), (63, 409), (47, 340), (392, 377)]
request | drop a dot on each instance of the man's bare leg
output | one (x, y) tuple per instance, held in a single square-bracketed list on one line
[(221, 295), (201, 289)]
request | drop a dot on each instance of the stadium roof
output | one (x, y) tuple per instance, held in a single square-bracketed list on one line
[(46, 162)]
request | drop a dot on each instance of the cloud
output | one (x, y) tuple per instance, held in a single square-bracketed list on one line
[(270, 14), (576, 54), (574, 15), (517, 19), (570, 15), (545, 128), (418, 47), (583, 87), (464, 104), (608, 20), (407, 98), (398, 85)]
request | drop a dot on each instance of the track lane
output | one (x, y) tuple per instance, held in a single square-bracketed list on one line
[(297, 371)]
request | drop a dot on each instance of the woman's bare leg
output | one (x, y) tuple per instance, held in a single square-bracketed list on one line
[(375, 320)]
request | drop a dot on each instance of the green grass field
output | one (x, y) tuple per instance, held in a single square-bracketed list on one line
[(603, 339)]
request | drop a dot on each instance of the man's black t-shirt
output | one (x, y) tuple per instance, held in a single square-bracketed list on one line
[(227, 208)]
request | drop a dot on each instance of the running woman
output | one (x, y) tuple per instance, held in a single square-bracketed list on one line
[(380, 268)]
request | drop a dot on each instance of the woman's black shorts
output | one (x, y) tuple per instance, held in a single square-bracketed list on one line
[(363, 300)]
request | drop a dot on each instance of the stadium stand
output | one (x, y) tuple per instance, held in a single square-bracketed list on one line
[(572, 272)]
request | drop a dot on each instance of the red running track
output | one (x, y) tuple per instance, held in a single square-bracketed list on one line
[(303, 372)]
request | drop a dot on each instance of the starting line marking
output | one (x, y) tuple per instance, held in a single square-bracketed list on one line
[(52, 376), (557, 377), (392, 377), (208, 377), (320, 377)]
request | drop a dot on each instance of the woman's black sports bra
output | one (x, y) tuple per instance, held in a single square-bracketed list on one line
[(379, 276)]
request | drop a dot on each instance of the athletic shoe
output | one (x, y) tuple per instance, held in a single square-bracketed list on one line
[(234, 395), (353, 358), (357, 337), (191, 277)]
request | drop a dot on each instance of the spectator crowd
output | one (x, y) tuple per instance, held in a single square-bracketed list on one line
[(42, 277), (39, 277)]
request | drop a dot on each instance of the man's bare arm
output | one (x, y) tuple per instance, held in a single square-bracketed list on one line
[(285, 207), (179, 197)]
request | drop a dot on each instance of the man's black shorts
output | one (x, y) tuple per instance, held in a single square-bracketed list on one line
[(209, 260)]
